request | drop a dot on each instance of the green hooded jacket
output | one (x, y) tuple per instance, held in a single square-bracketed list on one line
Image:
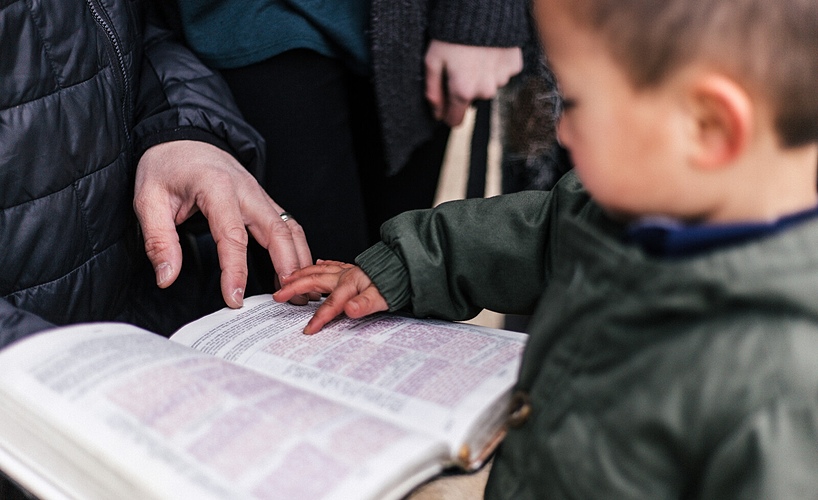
[(645, 377)]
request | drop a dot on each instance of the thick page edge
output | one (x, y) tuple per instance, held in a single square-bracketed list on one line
[(406, 485), (43, 487), (27, 479), (466, 461)]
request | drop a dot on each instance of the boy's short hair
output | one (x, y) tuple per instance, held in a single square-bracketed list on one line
[(769, 46)]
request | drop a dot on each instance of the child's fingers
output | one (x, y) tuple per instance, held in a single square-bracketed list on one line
[(326, 312), (322, 316), (368, 302), (338, 263), (308, 284), (322, 267), (348, 288)]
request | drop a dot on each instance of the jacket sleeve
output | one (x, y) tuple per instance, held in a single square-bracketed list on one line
[(181, 98), (467, 255), (464, 256), (485, 23)]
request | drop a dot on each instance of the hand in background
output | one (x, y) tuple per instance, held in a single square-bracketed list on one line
[(457, 74), (350, 291), (176, 179)]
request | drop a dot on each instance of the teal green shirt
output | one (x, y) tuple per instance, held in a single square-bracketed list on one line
[(234, 33)]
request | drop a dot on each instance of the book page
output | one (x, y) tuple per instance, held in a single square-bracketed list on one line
[(125, 412), (434, 375)]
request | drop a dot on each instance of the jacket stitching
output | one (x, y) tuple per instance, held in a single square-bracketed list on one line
[(68, 275), (84, 216), (46, 46), (72, 185), (59, 90)]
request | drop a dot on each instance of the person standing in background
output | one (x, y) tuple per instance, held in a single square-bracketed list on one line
[(355, 98), (112, 134)]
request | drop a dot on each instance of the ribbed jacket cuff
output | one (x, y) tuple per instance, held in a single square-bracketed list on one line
[(388, 272), (499, 23)]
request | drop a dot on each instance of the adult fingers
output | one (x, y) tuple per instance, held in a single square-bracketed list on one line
[(281, 246), (278, 232), (285, 241), (304, 254), (156, 220), (161, 243), (456, 110), (435, 86), (299, 242), (227, 227)]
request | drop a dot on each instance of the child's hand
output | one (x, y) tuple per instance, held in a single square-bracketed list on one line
[(350, 291)]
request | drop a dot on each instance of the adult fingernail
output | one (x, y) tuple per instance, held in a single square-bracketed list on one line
[(238, 296), (163, 273)]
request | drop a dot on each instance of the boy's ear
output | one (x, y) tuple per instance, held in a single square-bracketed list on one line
[(723, 115)]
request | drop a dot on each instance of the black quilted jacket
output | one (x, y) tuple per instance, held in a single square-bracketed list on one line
[(85, 88)]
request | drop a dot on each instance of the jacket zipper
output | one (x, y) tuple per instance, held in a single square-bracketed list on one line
[(115, 45)]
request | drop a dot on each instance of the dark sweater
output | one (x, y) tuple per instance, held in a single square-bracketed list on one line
[(400, 34), (239, 32)]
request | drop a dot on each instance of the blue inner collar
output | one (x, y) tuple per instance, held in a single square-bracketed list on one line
[(671, 238)]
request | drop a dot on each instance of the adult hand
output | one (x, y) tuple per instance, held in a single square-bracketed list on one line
[(176, 179), (350, 291), (457, 74)]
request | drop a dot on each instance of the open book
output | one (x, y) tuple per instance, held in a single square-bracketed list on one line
[(241, 404)]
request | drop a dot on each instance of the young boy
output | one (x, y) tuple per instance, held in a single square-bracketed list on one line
[(673, 277)]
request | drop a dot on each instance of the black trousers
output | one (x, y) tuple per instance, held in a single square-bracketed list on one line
[(325, 161)]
